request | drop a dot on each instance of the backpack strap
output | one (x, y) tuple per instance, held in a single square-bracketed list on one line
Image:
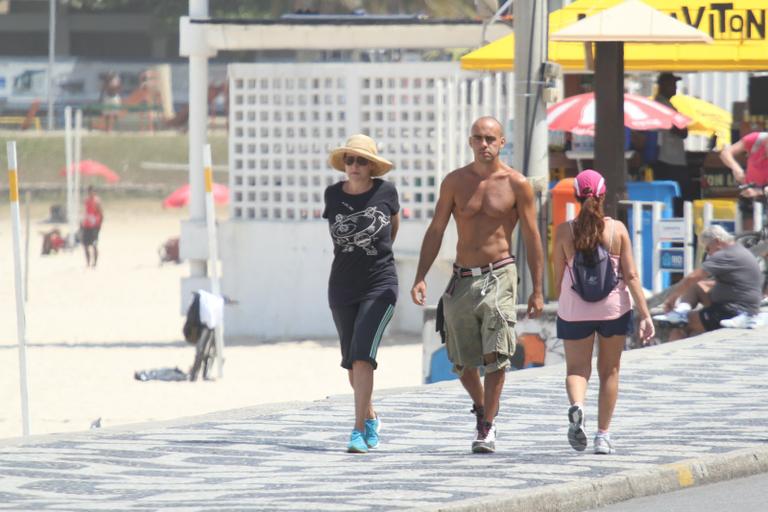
[(619, 274), (761, 139), (610, 239), (573, 238)]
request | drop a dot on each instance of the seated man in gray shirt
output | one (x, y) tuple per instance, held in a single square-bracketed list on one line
[(728, 283)]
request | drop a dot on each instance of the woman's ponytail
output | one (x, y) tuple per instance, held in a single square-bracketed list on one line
[(589, 224)]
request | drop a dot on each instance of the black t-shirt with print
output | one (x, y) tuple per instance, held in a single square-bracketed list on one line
[(363, 264)]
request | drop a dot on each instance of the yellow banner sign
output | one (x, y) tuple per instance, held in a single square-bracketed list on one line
[(739, 28), (722, 21), (736, 20)]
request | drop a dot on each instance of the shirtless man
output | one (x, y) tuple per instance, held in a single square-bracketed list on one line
[(486, 199)]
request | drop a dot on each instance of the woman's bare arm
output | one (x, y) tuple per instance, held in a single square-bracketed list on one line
[(629, 271)]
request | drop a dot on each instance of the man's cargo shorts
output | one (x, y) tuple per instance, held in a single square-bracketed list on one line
[(480, 317)]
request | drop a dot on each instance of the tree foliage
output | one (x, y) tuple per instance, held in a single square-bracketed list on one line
[(270, 9), (166, 13)]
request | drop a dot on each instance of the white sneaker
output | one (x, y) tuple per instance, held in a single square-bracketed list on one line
[(759, 320), (485, 440), (740, 321), (603, 444)]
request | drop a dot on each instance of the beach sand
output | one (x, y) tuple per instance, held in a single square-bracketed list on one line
[(89, 330)]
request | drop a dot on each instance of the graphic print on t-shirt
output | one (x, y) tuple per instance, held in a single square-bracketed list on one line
[(359, 230)]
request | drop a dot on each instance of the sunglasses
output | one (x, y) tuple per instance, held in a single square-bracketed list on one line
[(362, 162)]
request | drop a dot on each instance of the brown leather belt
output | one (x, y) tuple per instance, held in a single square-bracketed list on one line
[(478, 271)]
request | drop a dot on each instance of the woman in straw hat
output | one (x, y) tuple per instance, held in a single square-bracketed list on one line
[(362, 290), (591, 242)]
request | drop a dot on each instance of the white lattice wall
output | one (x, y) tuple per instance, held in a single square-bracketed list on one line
[(284, 119)]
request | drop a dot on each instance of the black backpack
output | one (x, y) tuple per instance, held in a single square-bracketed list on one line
[(592, 273), (193, 325)]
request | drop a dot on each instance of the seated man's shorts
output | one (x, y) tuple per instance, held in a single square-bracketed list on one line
[(623, 325), (480, 316), (711, 315)]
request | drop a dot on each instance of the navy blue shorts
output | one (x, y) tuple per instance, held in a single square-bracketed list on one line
[(711, 315), (624, 325), (360, 327)]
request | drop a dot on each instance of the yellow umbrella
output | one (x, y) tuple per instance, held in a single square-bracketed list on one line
[(707, 119), (739, 29)]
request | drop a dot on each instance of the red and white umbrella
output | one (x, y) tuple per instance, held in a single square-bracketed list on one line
[(93, 168), (576, 114), (180, 196)]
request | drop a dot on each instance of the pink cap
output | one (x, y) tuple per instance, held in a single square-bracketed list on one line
[(589, 183)]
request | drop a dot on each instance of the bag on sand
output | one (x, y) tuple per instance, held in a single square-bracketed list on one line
[(166, 374)]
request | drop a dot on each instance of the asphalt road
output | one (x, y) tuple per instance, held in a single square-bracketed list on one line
[(748, 494)]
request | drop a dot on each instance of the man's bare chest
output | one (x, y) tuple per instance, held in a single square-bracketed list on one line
[(492, 200)]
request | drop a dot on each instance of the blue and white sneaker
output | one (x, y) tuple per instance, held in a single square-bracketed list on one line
[(673, 317), (357, 443), (677, 316), (372, 429)]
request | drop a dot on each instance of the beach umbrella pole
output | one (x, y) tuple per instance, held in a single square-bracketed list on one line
[(13, 194), (609, 114), (213, 253)]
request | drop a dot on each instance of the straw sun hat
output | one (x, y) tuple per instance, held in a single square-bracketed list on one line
[(360, 145)]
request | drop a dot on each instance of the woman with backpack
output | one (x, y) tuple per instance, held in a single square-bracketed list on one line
[(596, 272)]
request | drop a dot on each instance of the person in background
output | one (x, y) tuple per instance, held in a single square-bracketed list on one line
[(110, 99), (363, 216), (755, 146), (91, 225), (53, 242), (727, 284), (486, 198), (671, 163), (610, 318)]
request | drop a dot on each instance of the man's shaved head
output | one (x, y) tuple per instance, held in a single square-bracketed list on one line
[(486, 121), (487, 139)]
